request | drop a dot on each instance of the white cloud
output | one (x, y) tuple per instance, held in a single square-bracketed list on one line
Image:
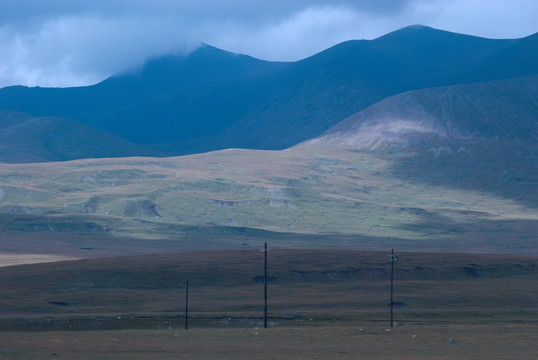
[(71, 51), (306, 32), (485, 18), (290, 38)]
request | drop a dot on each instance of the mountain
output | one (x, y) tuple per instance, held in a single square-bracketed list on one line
[(450, 168), (504, 110), (25, 138), (481, 137), (212, 99), (173, 98)]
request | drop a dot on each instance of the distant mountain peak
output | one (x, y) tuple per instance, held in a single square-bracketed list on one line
[(418, 33), (417, 26), (208, 49), (503, 110), (212, 99)]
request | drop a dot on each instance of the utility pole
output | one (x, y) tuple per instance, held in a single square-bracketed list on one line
[(187, 305), (265, 289), (393, 259)]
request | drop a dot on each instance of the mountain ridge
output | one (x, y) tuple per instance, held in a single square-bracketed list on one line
[(481, 137), (459, 176), (25, 138), (213, 99), (503, 109)]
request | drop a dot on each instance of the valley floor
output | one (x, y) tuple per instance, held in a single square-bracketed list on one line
[(323, 304), (327, 341)]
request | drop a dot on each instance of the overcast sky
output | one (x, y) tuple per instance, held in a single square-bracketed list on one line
[(81, 42)]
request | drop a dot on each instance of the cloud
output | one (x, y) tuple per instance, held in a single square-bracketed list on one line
[(67, 43), (68, 51), (301, 34), (485, 18)]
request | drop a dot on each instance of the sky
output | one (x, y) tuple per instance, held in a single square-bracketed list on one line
[(61, 43)]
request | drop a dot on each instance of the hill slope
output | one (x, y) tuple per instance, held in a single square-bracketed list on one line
[(24, 138), (171, 99), (481, 137), (505, 110), (212, 99), (450, 168)]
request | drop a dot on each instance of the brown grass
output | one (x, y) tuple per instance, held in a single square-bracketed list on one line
[(298, 191), (322, 305), (362, 340)]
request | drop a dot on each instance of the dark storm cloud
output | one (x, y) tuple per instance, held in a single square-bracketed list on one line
[(72, 42)]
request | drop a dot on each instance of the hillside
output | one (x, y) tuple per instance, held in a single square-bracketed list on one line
[(416, 120), (440, 169), (479, 137), (171, 99), (213, 99), (25, 138), (448, 168)]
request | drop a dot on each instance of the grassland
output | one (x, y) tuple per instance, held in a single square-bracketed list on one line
[(364, 340), (440, 216), (321, 198), (322, 304)]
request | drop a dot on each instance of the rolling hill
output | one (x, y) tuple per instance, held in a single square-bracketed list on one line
[(480, 137), (212, 99), (439, 169), (444, 116), (25, 138)]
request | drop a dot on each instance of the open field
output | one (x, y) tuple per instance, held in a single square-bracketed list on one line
[(363, 340), (315, 195), (319, 300)]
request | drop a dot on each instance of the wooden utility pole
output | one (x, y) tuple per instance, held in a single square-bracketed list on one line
[(265, 289), (187, 305), (393, 259)]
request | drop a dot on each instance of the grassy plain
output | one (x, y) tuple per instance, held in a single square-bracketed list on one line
[(323, 304), (307, 196), (438, 217), (361, 341)]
